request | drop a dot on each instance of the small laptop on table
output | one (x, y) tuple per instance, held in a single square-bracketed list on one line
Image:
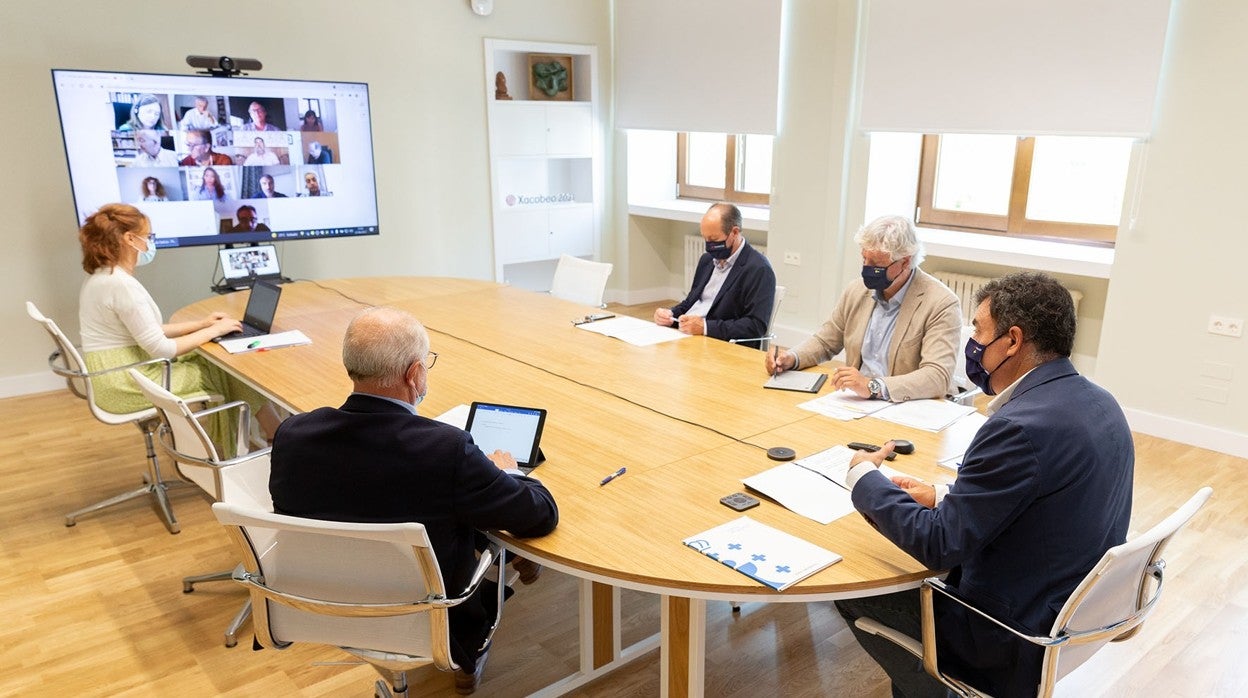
[(261, 309), (243, 266), (517, 430)]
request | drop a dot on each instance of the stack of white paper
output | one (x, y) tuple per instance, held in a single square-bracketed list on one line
[(931, 415), (843, 405), (264, 342)]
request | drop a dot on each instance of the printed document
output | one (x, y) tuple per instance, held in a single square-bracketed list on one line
[(635, 331)]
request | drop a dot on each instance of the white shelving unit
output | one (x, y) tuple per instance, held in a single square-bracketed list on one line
[(545, 164)]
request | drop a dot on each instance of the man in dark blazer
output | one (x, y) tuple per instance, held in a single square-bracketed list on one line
[(374, 460), (734, 287), (1043, 491)]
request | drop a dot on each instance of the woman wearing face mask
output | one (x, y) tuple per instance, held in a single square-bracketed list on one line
[(898, 325), (121, 324)]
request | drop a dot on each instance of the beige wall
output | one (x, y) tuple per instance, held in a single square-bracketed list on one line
[(424, 62), (1176, 265), (1178, 255), (1179, 263)]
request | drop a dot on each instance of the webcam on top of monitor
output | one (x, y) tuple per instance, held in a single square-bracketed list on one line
[(223, 66)]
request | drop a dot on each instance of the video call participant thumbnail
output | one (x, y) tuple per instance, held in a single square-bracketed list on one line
[(150, 152), (247, 221), (200, 152)]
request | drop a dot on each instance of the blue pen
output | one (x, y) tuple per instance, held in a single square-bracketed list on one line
[(254, 344), (612, 476)]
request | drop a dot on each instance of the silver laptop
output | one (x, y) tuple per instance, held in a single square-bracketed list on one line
[(243, 266)]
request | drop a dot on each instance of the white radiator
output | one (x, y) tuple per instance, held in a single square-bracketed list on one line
[(695, 247), (965, 286)]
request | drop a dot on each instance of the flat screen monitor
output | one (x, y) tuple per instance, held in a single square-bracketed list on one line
[(217, 160)]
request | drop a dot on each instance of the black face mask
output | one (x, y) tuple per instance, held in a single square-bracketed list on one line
[(876, 278), (719, 249), (975, 370)]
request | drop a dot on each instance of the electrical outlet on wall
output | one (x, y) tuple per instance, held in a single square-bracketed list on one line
[(793, 258), (1226, 326)]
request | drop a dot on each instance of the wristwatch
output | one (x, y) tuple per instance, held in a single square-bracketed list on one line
[(876, 386)]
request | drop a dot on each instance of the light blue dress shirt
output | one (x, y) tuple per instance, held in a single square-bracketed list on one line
[(880, 333)]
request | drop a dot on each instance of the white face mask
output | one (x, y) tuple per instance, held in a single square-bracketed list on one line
[(147, 254)]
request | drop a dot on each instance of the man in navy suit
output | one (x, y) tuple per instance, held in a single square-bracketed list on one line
[(374, 460), (733, 287), (1043, 491)]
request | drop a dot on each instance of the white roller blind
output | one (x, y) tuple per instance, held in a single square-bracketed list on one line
[(697, 65), (1032, 67)]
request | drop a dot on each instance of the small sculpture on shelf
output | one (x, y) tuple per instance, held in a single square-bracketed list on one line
[(500, 86)]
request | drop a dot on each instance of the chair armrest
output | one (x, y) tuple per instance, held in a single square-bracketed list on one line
[(741, 340), (937, 585), (256, 583), (966, 397), (164, 436), (58, 367), (902, 640)]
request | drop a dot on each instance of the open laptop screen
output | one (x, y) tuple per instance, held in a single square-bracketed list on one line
[(517, 430), (241, 263)]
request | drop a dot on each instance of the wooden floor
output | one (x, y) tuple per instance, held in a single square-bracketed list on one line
[(97, 609)]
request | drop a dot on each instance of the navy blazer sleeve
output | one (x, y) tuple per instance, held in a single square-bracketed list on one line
[(487, 498)]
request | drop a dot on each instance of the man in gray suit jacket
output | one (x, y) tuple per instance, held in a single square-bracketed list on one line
[(1043, 491), (899, 327)]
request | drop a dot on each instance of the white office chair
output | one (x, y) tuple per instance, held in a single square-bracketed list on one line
[(195, 456), (764, 342), (373, 590), (1108, 606), (580, 280), (65, 361)]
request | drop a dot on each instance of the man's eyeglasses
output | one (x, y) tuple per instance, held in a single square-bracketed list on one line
[(430, 359)]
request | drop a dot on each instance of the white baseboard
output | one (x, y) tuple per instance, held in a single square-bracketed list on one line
[(13, 386), (1213, 438)]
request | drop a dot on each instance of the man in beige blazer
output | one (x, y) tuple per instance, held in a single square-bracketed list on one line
[(899, 326)]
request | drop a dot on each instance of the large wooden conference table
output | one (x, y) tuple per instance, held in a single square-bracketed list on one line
[(688, 419)]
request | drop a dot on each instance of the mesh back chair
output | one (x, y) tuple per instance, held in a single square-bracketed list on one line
[(195, 456), (373, 590), (764, 342), (1109, 605), (580, 280), (66, 361)]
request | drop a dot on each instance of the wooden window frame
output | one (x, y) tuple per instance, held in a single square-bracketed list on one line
[(1015, 222), (729, 191)]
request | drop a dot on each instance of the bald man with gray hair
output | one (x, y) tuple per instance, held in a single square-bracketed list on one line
[(899, 326), (374, 459)]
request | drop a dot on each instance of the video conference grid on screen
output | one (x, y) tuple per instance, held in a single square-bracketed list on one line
[(215, 160)]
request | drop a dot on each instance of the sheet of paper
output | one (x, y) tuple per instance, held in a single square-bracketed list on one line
[(957, 438), (633, 330), (291, 338), (803, 492), (833, 464), (762, 553), (843, 405), (930, 415), (457, 416)]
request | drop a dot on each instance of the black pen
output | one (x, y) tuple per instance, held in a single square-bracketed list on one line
[(612, 476)]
